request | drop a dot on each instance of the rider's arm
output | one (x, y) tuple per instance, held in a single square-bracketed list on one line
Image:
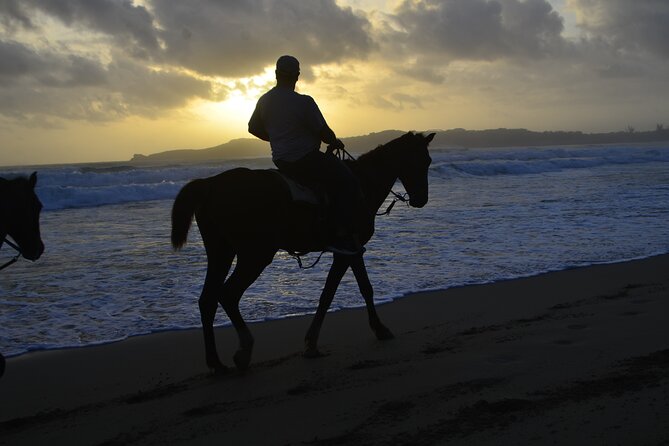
[(329, 138), (257, 127), (316, 122)]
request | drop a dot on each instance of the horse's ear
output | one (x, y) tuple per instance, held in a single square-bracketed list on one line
[(430, 137), (33, 179)]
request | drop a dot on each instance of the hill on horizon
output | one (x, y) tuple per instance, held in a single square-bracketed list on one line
[(461, 138)]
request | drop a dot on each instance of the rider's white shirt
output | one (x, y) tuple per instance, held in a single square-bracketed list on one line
[(292, 120)]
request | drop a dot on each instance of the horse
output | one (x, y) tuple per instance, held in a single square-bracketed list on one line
[(250, 214), (19, 219)]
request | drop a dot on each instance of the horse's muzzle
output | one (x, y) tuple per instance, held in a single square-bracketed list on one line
[(33, 253), (418, 201)]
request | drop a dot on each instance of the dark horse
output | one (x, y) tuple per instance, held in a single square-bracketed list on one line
[(250, 214), (19, 215), (19, 219)]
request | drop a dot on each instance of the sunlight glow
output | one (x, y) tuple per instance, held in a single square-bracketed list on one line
[(239, 97)]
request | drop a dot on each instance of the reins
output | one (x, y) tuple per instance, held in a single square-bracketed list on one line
[(298, 256), (403, 198), (343, 154), (16, 257)]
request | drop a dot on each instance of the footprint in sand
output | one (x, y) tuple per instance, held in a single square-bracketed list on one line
[(504, 358), (630, 313), (577, 326)]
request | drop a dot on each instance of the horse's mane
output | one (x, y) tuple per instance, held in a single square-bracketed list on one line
[(5, 182), (379, 154), (10, 184)]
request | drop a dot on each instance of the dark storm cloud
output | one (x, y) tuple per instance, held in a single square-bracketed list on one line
[(125, 23), (633, 25), (16, 60), (19, 62), (143, 59), (73, 87), (224, 38), (479, 29), (143, 90), (130, 91), (12, 14), (240, 38)]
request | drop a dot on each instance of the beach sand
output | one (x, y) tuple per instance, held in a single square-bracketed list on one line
[(577, 357)]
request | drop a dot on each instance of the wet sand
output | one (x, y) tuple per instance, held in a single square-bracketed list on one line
[(572, 357)]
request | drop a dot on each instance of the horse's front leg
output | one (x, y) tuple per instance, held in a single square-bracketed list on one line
[(365, 286), (339, 266)]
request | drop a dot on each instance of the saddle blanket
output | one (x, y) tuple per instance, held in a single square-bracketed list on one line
[(298, 191)]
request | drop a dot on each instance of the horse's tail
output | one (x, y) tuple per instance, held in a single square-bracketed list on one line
[(188, 200)]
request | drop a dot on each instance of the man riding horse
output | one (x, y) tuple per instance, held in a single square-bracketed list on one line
[(295, 127), (235, 230)]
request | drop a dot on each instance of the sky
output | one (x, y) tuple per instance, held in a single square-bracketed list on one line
[(101, 80)]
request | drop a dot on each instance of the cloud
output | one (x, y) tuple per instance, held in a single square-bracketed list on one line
[(12, 14), (21, 63), (103, 60), (478, 29), (424, 69), (241, 38), (68, 86), (123, 22), (222, 38), (143, 90), (158, 55), (638, 25)]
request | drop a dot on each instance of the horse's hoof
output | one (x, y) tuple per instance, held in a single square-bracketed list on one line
[(219, 370), (242, 359), (215, 365), (312, 352), (383, 334)]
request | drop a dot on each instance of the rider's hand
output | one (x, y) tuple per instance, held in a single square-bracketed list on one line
[(336, 145)]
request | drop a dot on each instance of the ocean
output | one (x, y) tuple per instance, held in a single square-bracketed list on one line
[(109, 271)]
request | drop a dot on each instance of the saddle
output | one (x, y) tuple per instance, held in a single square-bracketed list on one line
[(300, 192)]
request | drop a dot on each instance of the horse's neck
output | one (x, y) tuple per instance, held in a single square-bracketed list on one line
[(4, 208), (377, 176)]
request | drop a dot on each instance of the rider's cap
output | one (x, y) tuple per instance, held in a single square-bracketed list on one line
[(288, 65)]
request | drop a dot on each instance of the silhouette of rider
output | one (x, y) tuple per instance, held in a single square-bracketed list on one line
[(295, 127)]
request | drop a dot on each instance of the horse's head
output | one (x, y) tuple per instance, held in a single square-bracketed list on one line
[(415, 164), (21, 220)]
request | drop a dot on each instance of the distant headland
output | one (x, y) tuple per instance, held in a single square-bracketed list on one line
[(253, 148)]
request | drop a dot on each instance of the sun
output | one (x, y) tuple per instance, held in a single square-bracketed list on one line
[(239, 98), (236, 105)]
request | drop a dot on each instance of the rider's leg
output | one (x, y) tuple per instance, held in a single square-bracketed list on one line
[(341, 186)]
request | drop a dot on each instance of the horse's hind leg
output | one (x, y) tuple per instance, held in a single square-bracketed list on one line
[(339, 266), (249, 266), (218, 265), (365, 286)]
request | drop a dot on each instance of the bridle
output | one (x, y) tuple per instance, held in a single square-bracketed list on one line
[(342, 154), (15, 258)]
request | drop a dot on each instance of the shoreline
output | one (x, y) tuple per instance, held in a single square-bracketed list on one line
[(379, 303), (577, 356)]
